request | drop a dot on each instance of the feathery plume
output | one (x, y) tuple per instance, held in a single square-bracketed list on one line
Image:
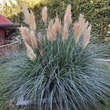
[(25, 34), (29, 17), (65, 32), (80, 28), (51, 32), (33, 39), (44, 14), (76, 31), (30, 52), (67, 17), (57, 24), (25, 10), (87, 36), (32, 22)]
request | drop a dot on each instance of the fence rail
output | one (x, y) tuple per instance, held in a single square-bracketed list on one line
[(9, 49)]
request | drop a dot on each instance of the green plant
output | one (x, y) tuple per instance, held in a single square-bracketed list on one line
[(63, 70)]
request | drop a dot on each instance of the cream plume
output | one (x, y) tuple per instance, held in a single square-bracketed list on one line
[(32, 21), (33, 39), (65, 32), (81, 28), (67, 17), (25, 34), (30, 52), (44, 14), (51, 33), (76, 31), (29, 17), (87, 36), (57, 24)]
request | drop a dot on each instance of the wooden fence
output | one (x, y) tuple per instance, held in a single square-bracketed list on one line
[(9, 49)]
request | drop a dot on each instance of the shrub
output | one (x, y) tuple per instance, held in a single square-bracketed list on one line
[(63, 69)]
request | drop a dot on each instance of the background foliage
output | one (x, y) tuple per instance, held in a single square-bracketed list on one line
[(95, 11)]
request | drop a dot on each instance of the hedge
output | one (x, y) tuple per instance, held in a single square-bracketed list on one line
[(97, 12)]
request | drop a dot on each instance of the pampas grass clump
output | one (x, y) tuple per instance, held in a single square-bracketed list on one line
[(62, 69)]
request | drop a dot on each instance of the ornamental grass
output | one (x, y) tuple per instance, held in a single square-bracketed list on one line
[(62, 70)]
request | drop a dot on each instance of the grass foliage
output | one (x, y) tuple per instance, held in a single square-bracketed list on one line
[(65, 75)]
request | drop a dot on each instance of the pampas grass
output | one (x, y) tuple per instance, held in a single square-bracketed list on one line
[(64, 72)]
